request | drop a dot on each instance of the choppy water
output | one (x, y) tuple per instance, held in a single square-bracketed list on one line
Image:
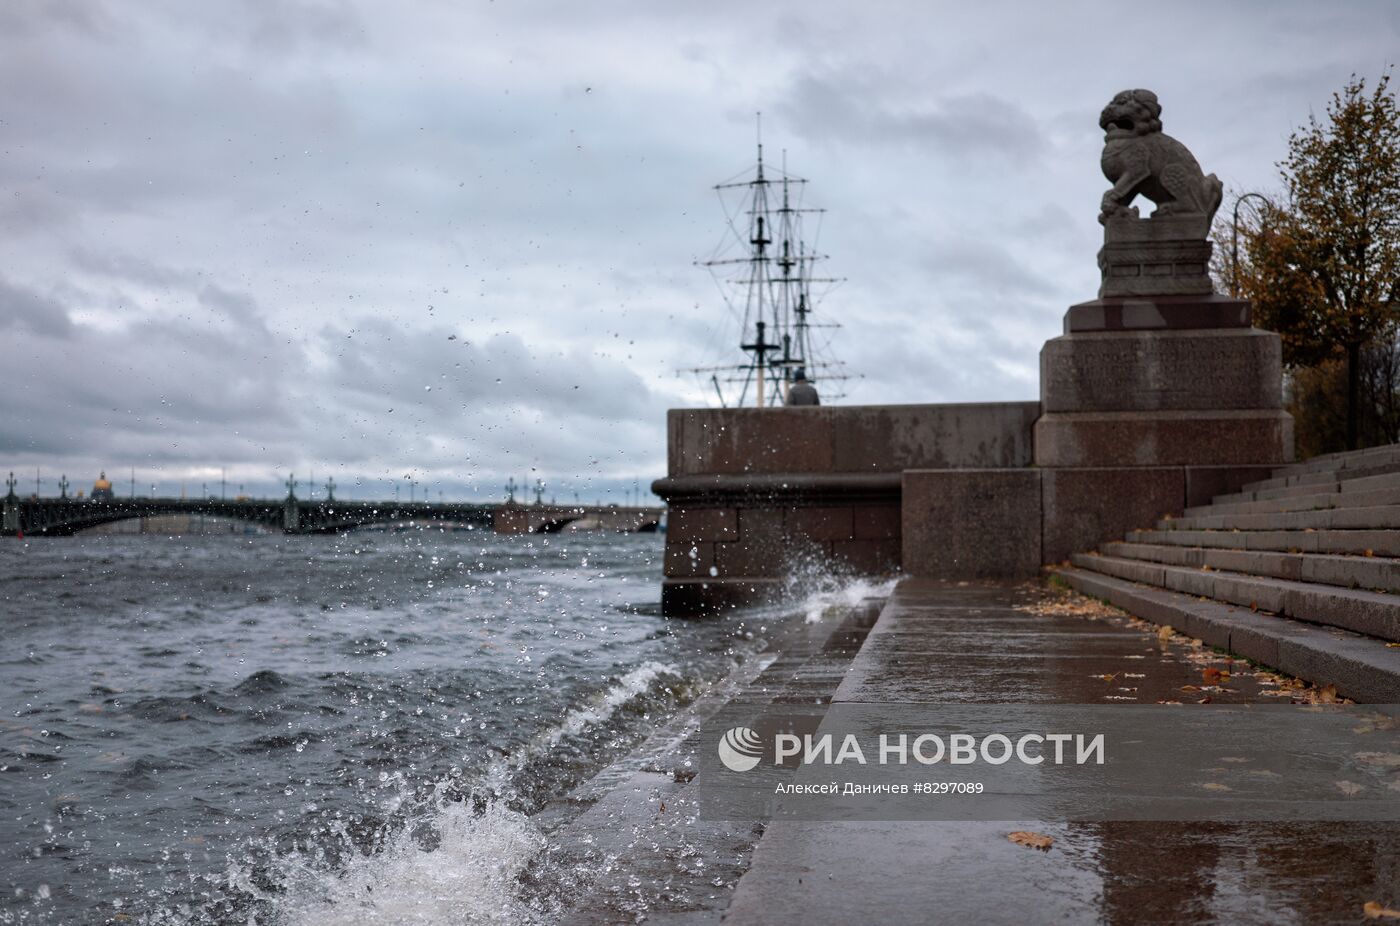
[(354, 729)]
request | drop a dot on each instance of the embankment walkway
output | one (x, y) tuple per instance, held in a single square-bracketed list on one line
[(948, 644), (939, 643)]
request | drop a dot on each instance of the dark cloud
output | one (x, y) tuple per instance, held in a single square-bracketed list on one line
[(238, 234), (29, 18), (858, 107), (24, 309)]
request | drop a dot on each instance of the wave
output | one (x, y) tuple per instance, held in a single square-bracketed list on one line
[(466, 873), (603, 706), (455, 855)]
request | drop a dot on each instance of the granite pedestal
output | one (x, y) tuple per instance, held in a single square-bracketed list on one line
[(1151, 404)]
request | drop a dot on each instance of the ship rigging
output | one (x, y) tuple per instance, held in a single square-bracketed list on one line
[(764, 270)]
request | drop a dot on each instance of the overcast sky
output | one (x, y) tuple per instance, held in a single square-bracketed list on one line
[(457, 239)]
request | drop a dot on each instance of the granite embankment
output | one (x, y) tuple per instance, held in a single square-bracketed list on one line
[(647, 854)]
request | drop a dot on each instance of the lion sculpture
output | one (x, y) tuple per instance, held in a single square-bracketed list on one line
[(1138, 158)]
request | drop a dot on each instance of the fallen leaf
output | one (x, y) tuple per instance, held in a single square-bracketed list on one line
[(1375, 911), (1190, 688), (1166, 632), (1382, 759), (1327, 694), (1370, 553), (1031, 840), (1213, 786), (1213, 675)]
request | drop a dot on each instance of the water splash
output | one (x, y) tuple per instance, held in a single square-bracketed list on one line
[(455, 857), (843, 596), (464, 871)]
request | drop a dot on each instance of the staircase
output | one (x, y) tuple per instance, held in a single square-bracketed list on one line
[(1300, 572)]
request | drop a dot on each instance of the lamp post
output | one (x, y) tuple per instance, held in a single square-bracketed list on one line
[(1235, 240)]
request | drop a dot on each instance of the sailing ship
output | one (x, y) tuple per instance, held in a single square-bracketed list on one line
[(764, 268)]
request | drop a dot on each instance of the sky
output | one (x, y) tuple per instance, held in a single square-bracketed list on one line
[(455, 243)]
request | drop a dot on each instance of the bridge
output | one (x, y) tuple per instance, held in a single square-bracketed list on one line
[(64, 516)]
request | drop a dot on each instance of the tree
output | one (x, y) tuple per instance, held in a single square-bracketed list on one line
[(1322, 266)]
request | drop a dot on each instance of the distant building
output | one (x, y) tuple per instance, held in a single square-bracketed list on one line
[(102, 488)]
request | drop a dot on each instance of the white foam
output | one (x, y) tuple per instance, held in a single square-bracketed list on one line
[(603, 706), (847, 595), (467, 873), (468, 877)]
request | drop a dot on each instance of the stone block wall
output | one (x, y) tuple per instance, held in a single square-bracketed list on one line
[(848, 439), (1148, 405), (757, 494), (1153, 405), (751, 539), (972, 524)]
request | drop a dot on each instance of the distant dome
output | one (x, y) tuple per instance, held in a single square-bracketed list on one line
[(102, 488)]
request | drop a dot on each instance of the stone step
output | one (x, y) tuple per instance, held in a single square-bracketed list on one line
[(1337, 462), (1373, 572), (1375, 614), (1354, 542), (1343, 458), (1386, 476), (1381, 517), (1298, 479), (1362, 668), (1385, 490)]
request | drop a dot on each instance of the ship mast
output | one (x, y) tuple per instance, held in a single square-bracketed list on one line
[(776, 280)]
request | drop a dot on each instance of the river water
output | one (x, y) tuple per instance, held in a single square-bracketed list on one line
[(271, 729)]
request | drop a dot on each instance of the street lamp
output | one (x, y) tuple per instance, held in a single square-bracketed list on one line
[(1235, 240)]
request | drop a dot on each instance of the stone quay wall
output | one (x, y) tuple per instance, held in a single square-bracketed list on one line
[(1148, 405), (754, 494)]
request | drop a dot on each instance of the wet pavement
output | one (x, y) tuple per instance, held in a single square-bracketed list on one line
[(936, 644), (632, 843)]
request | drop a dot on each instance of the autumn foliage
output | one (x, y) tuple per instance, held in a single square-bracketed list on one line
[(1321, 264)]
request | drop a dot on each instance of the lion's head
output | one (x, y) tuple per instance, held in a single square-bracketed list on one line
[(1132, 112)]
